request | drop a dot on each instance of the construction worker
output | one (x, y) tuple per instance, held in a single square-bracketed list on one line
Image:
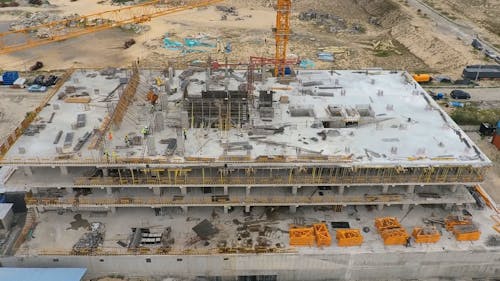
[(106, 155), (145, 131), (185, 133)]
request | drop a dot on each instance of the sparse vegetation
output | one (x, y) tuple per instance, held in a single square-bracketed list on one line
[(472, 115)]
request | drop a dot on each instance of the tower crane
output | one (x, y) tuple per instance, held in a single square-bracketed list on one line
[(16, 40), (282, 32)]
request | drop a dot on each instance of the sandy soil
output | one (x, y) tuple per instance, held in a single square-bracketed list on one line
[(421, 45)]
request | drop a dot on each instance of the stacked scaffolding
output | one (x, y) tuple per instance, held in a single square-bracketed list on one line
[(426, 234), (303, 236), (391, 231), (323, 237), (349, 237)]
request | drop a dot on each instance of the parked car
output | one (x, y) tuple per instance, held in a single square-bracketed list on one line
[(497, 59), (490, 54), (37, 88), (460, 95), (476, 44)]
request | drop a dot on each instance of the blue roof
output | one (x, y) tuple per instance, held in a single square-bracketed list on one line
[(41, 274)]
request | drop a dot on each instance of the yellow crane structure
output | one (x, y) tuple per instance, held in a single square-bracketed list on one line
[(282, 33), (16, 40)]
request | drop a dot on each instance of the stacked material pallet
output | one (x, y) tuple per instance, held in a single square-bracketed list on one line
[(391, 231), (349, 237), (462, 227), (323, 237), (303, 236), (426, 234)]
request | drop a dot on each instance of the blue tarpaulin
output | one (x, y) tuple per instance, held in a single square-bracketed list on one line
[(190, 45), (325, 56), (306, 63), (41, 274)]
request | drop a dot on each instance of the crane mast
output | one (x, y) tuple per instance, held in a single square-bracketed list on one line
[(283, 12)]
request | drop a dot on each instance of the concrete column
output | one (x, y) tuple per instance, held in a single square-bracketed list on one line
[(295, 189), (226, 209), (454, 188), (183, 190), (248, 190), (69, 189), (34, 190), (28, 171), (405, 207), (341, 190), (385, 188), (109, 190), (293, 209), (105, 172), (113, 210), (247, 209), (226, 190), (410, 189), (157, 190), (184, 209), (64, 170), (448, 206), (380, 207), (40, 209)]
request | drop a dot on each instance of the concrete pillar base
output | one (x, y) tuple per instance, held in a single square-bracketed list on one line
[(105, 172), (183, 190), (28, 171), (448, 206), (295, 189), (184, 209), (293, 209), (157, 190), (341, 190), (248, 190), (380, 207), (410, 189), (453, 188), (405, 207), (385, 188), (69, 189), (109, 190), (113, 210), (64, 170), (226, 209), (34, 190), (247, 209)]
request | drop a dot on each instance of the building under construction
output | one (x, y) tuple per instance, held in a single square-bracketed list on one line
[(234, 174)]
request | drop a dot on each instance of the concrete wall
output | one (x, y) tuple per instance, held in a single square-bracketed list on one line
[(354, 266)]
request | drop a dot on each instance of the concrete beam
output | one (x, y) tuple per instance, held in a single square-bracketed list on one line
[(34, 190), (295, 189), (247, 209), (226, 209), (184, 209), (113, 210), (105, 172), (453, 188), (405, 207), (448, 206)]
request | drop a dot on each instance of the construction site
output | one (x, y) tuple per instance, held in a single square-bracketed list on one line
[(212, 167)]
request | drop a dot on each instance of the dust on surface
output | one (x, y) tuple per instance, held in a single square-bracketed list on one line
[(79, 222)]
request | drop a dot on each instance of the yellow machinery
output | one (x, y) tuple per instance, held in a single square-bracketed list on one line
[(17, 40), (323, 237), (426, 234), (349, 237), (391, 231)]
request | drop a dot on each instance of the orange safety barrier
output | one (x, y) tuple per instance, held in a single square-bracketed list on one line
[(426, 234), (451, 221), (395, 236), (301, 236), (466, 232), (323, 237), (349, 237)]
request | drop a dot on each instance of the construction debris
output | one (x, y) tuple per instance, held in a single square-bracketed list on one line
[(91, 240)]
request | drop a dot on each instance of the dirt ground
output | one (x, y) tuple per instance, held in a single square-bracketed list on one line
[(418, 45)]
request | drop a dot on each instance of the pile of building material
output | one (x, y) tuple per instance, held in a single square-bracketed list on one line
[(332, 22), (90, 241), (144, 238)]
